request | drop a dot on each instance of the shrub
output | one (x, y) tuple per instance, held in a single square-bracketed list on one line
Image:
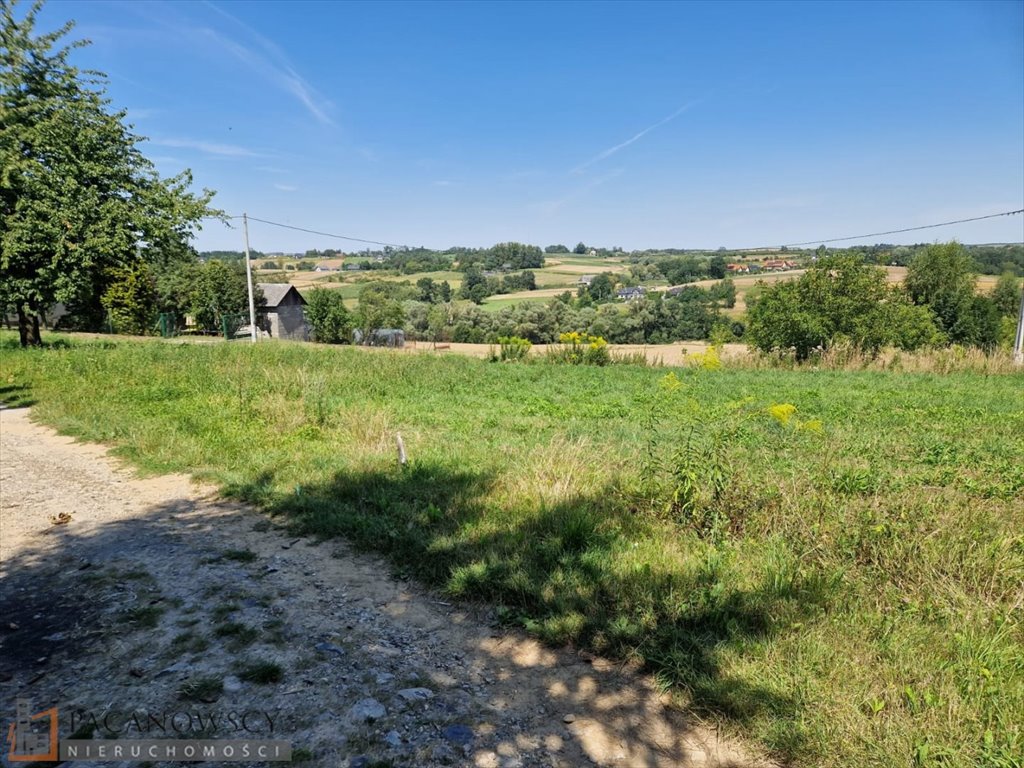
[(708, 360), (580, 349), (514, 348)]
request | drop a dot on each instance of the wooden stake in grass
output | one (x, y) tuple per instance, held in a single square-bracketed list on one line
[(401, 449)]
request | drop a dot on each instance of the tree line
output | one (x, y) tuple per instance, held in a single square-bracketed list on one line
[(844, 299), (424, 311)]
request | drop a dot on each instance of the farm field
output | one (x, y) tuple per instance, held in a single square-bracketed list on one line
[(557, 276), (560, 275), (829, 562)]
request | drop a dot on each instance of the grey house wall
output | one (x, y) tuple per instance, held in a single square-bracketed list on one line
[(287, 321)]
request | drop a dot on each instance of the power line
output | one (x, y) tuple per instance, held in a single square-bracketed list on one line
[(786, 245), (324, 234), (898, 231)]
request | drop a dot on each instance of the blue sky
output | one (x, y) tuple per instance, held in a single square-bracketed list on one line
[(634, 125)]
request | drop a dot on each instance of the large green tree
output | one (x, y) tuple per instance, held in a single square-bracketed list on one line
[(203, 293), (328, 316), (840, 298), (378, 309), (515, 255), (941, 277), (77, 196)]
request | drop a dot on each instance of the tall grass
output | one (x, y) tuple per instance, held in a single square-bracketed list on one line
[(830, 561), (942, 360)]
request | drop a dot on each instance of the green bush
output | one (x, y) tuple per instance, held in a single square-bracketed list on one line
[(328, 317), (514, 348), (580, 349)]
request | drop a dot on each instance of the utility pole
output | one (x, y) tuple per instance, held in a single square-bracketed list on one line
[(248, 278), (1018, 344)]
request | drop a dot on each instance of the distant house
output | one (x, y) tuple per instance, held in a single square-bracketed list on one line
[(753, 268), (737, 268), (320, 268), (586, 280), (778, 266), (353, 266), (282, 315), (632, 293)]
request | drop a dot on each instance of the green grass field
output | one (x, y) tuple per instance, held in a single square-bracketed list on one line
[(842, 582), (496, 303)]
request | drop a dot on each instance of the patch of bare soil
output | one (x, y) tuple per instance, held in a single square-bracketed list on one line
[(151, 597)]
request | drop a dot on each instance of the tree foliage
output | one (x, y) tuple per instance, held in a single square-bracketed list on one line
[(204, 292), (328, 316), (1006, 295), (839, 299), (941, 277), (130, 299), (77, 195), (507, 256), (379, 308), (601, 287)]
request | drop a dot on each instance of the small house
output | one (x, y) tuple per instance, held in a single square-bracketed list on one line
[(778, 265), (632, 293), (282, 314), (586, 280)]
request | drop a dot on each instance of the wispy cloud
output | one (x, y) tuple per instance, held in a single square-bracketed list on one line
[(207, 147), (612, 150), (266, 57), (260, 54), (270, 169), (285, 187), (553, 206)]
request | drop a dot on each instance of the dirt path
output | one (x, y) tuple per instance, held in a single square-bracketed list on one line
[(155, 595)]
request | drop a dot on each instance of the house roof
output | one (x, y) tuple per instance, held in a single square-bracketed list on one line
[(274, 293)]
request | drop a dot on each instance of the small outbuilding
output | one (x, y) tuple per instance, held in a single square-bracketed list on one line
[(380, 337), (282, 314)]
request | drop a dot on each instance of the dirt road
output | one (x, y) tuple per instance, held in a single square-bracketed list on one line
[(122, 595)]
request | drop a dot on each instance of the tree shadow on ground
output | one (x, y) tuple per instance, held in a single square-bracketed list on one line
[(103, 615), (557, 571), (16, 396)]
